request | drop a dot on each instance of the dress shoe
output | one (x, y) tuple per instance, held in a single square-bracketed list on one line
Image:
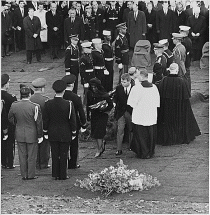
[(4, 167), (119, 152), (74, 167), (67, 177), (39, 61), (35, 177), (22, 70), (13, 70), (24, 178), (11, 167)]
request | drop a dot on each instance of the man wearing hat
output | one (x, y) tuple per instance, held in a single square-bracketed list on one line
[(98, 60), (109, 60), (27, 118), (121, 50), (80, 118), (72, 59), (60, 126), (86, 67), (167, 53), (179, 53), (159, 68), (43, 154), (187, 42), (8, 145)]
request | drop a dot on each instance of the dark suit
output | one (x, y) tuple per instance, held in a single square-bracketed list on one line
[(77, 27), (179, 19), (81, 121), (8, 146), (18, 21), (122, 114), (27, 118), (99, 16), (43, 154), (60, 123)]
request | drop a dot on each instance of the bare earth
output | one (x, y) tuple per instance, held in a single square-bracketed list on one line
[(183, 170)]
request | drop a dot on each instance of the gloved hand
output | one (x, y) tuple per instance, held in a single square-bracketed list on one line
[(86, 85), (46, 136), (40, 140), (5, 137), (106, 72), (73, 137), (120, 66), (83, 130)]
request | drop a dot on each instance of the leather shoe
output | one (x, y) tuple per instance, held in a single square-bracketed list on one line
[(12, 167), (75, 167), (67, 177), (22, 70), (24, 178), (13, 70), (35, 177), (119, 152)]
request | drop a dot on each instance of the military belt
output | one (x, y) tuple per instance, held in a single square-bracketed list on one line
[(113, 18), (72, 59), (89, 70), (124, 51), (109, 59), (98, 67)]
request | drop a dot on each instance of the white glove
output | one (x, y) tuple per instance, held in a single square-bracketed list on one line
[(5, 137), (198, 34), (114, 104), (40, 140), (86, 85), (193, 34), (46, 136), (120, 66), (106, 72), (83, 130), (73, 137)]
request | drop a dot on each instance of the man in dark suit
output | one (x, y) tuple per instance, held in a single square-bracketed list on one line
[(27, 118), (19, 14), (43, 154), (72, 59), (32, 4), (79, 10), (73, 25), (54, 23), (60, 126), (80, 118), (8, 145), (123, 111)]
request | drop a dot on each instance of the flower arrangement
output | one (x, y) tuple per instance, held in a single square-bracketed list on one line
[(117, 179)]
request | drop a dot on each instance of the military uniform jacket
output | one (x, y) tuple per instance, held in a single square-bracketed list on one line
[(72, 60), (179, 53), (187, 42), (121, 50), (79, 111), (86, 68), (59, 119), (40, 99), (90, 27), (108, 56), (98, 59), (169, 57), (112, 17), (27, 118), (159, 69)]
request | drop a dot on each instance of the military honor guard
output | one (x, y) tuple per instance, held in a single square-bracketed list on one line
[(72, 59), (179, 53), (7, 145), (121, 50), (109, 60), (98, 61), (187, 42), (86, 67), (27, 118), (159, 68), (43, 154), (80, 118), (60, 127)]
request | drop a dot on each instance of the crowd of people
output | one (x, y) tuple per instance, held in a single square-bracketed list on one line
[(151, 108)]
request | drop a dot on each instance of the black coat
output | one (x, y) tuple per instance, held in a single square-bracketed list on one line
[(120, 98), (54, 37), (164, 24), (90, 27), (99, 16), (32, 27), (79, 111), (18, 19), (6, 29), (180, 19), (56, 120), (73, 28)]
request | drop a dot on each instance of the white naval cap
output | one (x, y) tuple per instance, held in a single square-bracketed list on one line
[(106, 33), (163, 41), (96, 40), (86, 44), (184, 28)]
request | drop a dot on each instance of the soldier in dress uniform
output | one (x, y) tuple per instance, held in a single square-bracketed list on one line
[(179, 53), (98, 60), (109, 60), (80, 118), (8, 145), (43, 154), (72, 59), (86, 67), (121, 50), (187, 42), (159, 67), (168, 54), (111, 18)]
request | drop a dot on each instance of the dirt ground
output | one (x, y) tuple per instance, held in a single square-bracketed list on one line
[(183, 170)]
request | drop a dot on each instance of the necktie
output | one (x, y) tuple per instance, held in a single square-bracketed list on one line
[(135, 15), (22, 12), (126, 91)]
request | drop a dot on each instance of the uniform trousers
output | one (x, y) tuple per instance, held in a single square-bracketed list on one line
[(59, 151), (27, 157), (187, 75), (29, 55), (72, 160), (121, 122)]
